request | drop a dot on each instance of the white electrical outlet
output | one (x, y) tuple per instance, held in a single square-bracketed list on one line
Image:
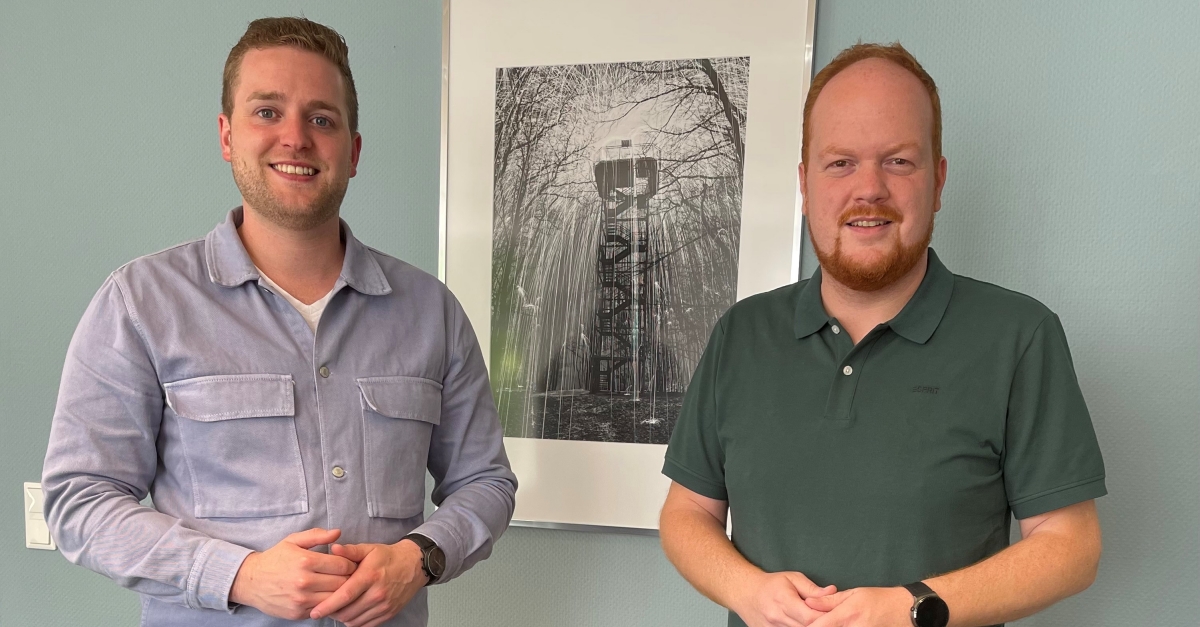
[(37, 534)]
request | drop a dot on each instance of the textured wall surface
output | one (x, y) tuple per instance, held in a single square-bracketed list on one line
[(1072, 138)]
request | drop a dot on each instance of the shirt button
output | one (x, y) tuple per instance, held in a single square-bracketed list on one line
[(338, 472), (325, 374), (836, 329), (847, 371)]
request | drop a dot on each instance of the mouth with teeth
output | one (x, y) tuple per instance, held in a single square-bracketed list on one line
[(870, 220), (294, 170)]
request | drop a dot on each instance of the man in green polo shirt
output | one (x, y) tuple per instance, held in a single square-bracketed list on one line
[(872, 430)]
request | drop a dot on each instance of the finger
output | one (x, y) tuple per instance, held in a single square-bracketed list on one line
[(827, 620), (326, 564), (826, 603), (359, 612), (806, 587), (378, 621), (344, 596), (801, 613), (783, 620), (316, 583), (384, 615), (353, 552), (309, 538)]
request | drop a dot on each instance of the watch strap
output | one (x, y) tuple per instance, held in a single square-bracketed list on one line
[(426, 545), (918, 589)]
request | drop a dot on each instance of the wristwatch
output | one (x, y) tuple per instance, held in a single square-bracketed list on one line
[(928, 609), (434, 559)]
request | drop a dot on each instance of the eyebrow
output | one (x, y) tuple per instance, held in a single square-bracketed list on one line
[(265, 95), (838, 150)]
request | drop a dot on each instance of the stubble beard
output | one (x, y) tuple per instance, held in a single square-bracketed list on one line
[(877, 274), (256, 192)]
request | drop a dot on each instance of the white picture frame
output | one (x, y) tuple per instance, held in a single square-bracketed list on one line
[(615, 486)]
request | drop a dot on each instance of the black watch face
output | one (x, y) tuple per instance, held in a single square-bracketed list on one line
[(932, 612), (436, 562)]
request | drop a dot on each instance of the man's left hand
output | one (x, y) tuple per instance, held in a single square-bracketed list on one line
[(864, 607), (387, 578)]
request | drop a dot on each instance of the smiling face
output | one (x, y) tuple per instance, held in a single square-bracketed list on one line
[(288, 137), (871, 182)]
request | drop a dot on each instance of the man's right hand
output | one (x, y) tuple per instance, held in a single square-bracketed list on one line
[(288, 580), (777, 600)]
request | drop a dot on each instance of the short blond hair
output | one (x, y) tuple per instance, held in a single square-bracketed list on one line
[(299, 32), (893, 52)]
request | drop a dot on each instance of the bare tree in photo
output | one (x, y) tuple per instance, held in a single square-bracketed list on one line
[(617, 205)]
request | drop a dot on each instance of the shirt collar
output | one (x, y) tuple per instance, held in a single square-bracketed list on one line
[(916, 322), (810, 313), (229, 264)]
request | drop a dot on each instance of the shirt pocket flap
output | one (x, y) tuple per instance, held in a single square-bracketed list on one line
[(228, 397), (410, 398)]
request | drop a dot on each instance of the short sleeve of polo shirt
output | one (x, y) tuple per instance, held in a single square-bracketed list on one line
[(695, 458), (1051, 457)]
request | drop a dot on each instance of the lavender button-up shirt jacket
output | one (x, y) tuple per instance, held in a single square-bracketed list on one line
[(191, 381)]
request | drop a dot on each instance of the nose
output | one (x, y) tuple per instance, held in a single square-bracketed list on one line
[(870, 184), (294, 133)]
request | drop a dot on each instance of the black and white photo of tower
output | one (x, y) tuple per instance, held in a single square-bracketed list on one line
[(616, 220)]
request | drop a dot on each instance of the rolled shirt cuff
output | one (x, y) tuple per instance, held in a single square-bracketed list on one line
[(213, 573), (450, 544)]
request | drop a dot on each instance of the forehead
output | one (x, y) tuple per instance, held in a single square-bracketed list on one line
[(294, 73), (872, 100)]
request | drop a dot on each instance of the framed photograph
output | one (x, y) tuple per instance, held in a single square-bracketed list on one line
[(615, 175)]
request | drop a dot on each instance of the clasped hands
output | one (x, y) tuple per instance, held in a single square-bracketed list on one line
[(361, 585), (789, 599)]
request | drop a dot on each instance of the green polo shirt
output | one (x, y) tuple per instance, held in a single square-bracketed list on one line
[(901, 457)]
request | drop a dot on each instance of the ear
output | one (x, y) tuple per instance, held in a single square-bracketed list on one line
[(355, 151), (939, 183), (803, 190), (225, 131)]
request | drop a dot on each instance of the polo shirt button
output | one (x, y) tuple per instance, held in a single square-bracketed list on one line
[(338, 472), (324, 372), (847, 371), (836, 329)]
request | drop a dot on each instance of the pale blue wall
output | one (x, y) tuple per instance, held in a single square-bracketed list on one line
[(1073, 140)]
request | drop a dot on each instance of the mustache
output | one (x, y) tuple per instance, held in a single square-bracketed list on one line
[(885, 212)]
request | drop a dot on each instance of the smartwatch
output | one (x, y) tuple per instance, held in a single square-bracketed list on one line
[(433, 560), (928, 609)]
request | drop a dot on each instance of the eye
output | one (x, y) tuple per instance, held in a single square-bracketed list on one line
[(899, 161), (322, 121), (265, 114), (840, 163)]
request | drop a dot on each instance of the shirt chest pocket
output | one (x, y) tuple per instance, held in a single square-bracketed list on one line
[(399, 416), (239, 438)]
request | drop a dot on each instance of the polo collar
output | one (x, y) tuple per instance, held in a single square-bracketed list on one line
[(923, 312), (810, 313), (916, 322), (229, 264)]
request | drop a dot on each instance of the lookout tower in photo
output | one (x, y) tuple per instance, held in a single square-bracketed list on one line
[(621, 348)]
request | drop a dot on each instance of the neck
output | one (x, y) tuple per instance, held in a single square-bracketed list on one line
[(858, 312), (305, 263)]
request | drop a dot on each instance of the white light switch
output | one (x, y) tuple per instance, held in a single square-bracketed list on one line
[(37, 534)]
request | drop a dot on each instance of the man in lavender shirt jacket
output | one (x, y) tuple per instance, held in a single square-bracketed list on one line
[(277, 387)]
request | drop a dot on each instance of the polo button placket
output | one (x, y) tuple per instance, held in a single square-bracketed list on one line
[(840, 403)]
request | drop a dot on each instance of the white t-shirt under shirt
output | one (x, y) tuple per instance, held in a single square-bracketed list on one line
[(311, 313)]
